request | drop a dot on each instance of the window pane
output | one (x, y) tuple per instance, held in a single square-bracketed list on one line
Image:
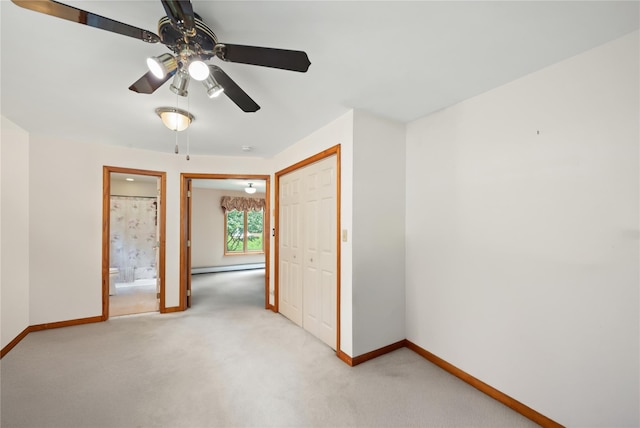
[(235, 231), (254, 226)]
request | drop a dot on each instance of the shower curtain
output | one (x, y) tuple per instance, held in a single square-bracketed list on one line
[(133, 237)]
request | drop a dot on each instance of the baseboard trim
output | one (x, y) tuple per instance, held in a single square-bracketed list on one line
[(14, 342), (344, 357), (503, 398), (354, 361), (68, 323), (47, 326), (379, 352)]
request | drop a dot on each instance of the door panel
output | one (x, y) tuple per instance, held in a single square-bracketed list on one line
[(327, 230), (290, 290)]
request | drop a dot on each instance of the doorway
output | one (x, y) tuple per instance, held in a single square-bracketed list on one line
[(133, 241), (219, 236)]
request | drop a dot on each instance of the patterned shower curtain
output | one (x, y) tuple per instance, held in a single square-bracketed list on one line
[(133, 237)]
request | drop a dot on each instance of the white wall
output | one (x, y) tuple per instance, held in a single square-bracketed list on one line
[(66, 219), (522, 248), (340, 131), (14, 231), (378, 232), (207, 230), (121, 187)]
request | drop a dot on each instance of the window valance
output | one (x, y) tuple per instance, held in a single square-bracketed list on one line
[(239, 203)]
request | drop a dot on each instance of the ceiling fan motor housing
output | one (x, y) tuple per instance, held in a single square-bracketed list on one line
[(204, 40)]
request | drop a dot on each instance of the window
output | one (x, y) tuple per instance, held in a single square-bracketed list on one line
[(236, 222)]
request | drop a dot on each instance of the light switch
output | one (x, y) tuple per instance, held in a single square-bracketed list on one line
[(344, 235)]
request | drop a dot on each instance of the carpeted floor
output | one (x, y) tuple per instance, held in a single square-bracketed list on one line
[(226, 362)]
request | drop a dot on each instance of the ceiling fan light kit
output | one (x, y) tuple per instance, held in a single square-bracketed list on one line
[(162, 65), (180, 83), (192, 43), (213, 88), (198, 70), (174, 118)]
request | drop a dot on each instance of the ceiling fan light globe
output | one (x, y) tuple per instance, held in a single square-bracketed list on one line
[(212, 87), (175, 119), (180, 83), (175, 122), (155, 68), (198, 70), (215, 91), (161, 65)]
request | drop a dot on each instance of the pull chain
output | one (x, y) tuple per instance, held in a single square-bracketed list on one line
[(188, 112), (176, 130)]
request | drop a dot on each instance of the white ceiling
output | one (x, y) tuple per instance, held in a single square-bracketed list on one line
[(401, 60), (235, 184), (230, 184)]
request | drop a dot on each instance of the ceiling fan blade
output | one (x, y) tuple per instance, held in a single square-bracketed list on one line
[(233, 91), (265, 57), (181, 14), (148, 83), (70, 13)]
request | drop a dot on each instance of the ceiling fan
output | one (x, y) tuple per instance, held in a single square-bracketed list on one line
[(191, 41)]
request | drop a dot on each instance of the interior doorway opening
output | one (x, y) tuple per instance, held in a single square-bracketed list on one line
[(224, 228), (133, 241)]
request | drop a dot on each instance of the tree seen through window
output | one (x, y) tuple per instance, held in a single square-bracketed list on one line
[(237, 222)]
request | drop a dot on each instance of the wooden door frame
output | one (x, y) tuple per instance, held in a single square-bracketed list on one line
[(106, 226), (185, 222), (335, 150)]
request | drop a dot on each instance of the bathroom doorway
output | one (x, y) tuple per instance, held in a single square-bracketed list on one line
[(133, 241)]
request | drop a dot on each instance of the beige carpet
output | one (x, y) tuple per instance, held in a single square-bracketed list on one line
[(227, 362)]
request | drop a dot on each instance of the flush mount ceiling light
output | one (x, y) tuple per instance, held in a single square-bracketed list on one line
[(174, 118), (250, 190)]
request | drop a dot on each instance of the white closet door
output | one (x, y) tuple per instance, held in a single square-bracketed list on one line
[(320, 281), (290, 248)]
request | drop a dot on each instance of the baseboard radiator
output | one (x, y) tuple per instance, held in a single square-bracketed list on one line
[(230, 268)]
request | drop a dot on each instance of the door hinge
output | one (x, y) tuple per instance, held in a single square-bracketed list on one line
[(188, 193), (188, 243), (188, 293), (157, 295)]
